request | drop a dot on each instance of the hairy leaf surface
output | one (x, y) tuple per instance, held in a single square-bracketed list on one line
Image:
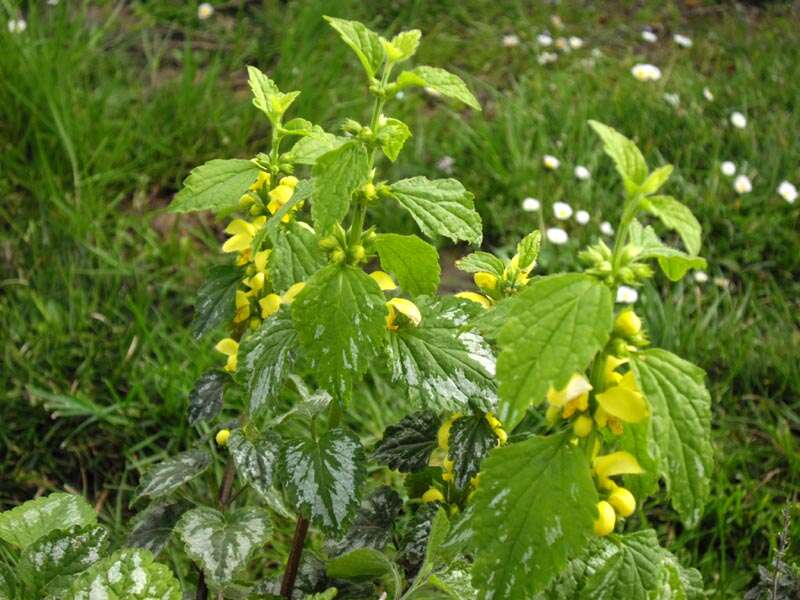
[(170, 474), (407, 445), (295, 256), (256, 457), (217, 185), (205, 399), (336, 175), (31, 520), (414, 262)]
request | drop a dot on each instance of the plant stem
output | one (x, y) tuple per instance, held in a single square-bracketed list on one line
[(202, 588), (298, 541), (628, 213), (227, 484)]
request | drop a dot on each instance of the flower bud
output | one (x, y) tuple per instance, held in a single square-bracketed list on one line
[(329, 243), (222, 437), (604, 524), (623, 501), (370, 192), (434, 495), (628, 323), (338, 256), (582, 426), (627, 275), (486, 281), (358, 253), (629, 252), (642, 271)]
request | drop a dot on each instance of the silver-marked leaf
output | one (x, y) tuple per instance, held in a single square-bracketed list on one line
[(217, 185), (440, 207), (534, 510), (205, 399), (680, 422), (308, 149), (364, 42), (128, 574), (26, 523), (295, 256), (446, 366), (266, 357), (471, 438), (413, 261), (221, 543), (336, 176), (340, 318), (407, 445), (559, 323), (167, 476), (373, 525), (152, 528), (50, 563), (215, 302), (324, 477), (678, 582), (480, 261), (441, 81), (630, 569), (256, 459), (677, 216)]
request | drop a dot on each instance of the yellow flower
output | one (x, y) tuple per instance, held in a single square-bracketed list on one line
[(574, 397), (448, 465), (230, 348), (260, 260), (616, 463), (485, 281), (269, 305), (497, 428), (282, 193), (443, 435), (624, 401), (432, 495), (473, 297), (628, 323), (610, 376), (623, 501), (242, 234), (290, 294), (384, 280), (604, 524), (582, 426), (242, 307), (222, 437), (261, 183), (404, 307), (256, 282)]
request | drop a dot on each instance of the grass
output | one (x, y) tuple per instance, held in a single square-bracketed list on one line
[(105, 108)]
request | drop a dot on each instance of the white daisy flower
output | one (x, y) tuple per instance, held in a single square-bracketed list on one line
[(682, 40), (52, 2), (700, 276), (649, 37), (674, 100), (562, 44), (205, 11), (582, 173), (645, 72), (446, 164), (510, 41), (582, 217), (728, 168), (742, 185), (738, 120), (17, 25), (606, 228), (627, 295), (708, 95), (400, 95), (547, 58), (551, 163), (562, 211), (544, 39), (575, 42), (557, 236), (787, 191), (531, 205)]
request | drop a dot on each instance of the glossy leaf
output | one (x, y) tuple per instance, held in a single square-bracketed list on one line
[(205, 399), (470, 440), (407, 445), (217, 185), (31, 520), (630, 569), (445, 83), (152, 528), (412, 261), (372, 526), (256, 457), (221, 543), (295, 256), (215, 302), (324, 477), (168, 475), (678, 582), (336, 175)]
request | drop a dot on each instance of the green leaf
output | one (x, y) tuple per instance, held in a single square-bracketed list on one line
[(674, 263), (440, 528), (340, 317), (534, 511), (308, 149), (407, 445), (440, 207), (152, 528), (403, 46), (365, 43), (528, 250), (128, 574), (363, 564), (373, 525), (205, 399), (637, 440), (626, 156), (302, 192), (471, 438), (266, 357), (446, 366), (453, 583), (630, 569), (678, 582), (439, 80), (414, 262), (655, 180), (8, 582), (480, 261), (392, 136), (312, 404), (216, 299), (221, 543), (50, 562), (31, 520), (295, 256), (217, 185), (336, 175), (267, 97), (256, 457), (298, 126), (170, 474), (324, 476), (677, 216), (680, 419), (560, 323)]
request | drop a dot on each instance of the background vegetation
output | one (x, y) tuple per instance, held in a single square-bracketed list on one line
[(105, 107)]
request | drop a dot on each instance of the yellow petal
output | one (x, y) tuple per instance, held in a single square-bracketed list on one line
[(256, 282), (407, 308), (289, 181), (609, 369), (242, 307), (384, 280), (240, 227), (433, 495), (291, 293), (260, 260), (273, 206), (485, 281), (623, 403), (628, 381), (244, 256), (473, 297), (259, 222), (269, 305), (281, 194), (262, 181), (577, 385), (604, 524), (231, 364), (227, 346), (623, 501), (237, 243), (616, 463)]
